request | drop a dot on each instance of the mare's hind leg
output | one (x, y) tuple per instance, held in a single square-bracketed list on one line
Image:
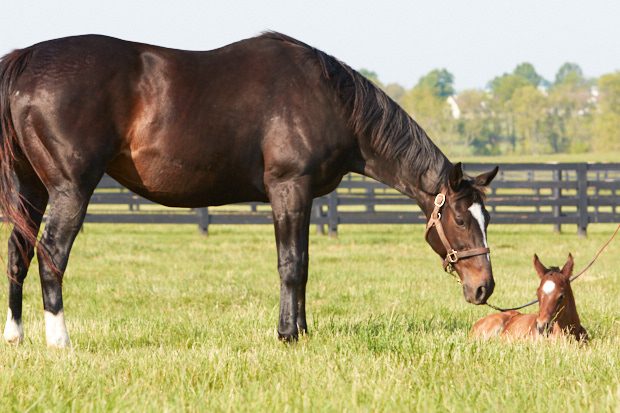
[(291, 203), (21, 251), (67, 212)]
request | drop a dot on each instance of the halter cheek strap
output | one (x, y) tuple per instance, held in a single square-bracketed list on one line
[(452, 255)]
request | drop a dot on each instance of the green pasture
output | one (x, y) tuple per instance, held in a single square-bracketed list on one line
[(609, 156), (163, 319)]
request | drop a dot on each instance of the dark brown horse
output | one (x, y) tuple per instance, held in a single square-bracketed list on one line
[(557, 314), (266, 119)]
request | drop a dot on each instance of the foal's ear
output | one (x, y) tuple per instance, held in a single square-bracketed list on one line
[(567, 269), (456, 176), (539, 267), (486, 178)]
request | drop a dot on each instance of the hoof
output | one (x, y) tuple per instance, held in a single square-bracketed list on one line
[(288, 337), (13, 330), (56, 331), (13, 339), (61, 343)]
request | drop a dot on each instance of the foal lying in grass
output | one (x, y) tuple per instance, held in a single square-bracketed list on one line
[(557, 314)]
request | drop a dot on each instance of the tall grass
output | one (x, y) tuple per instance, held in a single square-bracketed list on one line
[(163, 319)]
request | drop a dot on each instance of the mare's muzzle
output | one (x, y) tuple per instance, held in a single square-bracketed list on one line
[(478, 293)]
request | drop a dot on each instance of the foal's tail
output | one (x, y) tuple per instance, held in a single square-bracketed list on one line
[(12, 205)]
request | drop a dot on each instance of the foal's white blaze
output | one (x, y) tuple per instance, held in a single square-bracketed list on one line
[(476, 211), (548, 287), (55, 330), (13, 330)]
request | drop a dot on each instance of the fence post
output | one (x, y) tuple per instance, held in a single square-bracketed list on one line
[(582, 196), (531, 179), (317, 211), (332, 213), (370, 193), (557, 194), (203, 220)]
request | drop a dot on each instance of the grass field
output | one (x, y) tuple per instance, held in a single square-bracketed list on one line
[(163, 319)]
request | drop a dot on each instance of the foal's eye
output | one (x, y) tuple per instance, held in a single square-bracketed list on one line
[(459, 221)]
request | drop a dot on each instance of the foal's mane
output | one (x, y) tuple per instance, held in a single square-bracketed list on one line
[(393, 134)]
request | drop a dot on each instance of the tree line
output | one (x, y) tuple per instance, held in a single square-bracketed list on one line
[(516, 113)]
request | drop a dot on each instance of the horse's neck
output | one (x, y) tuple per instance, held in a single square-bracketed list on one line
[(403, 174), (568, 317)]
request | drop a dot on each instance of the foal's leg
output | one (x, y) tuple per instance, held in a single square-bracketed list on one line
[(291, 203), (20, 253), (66, 216)]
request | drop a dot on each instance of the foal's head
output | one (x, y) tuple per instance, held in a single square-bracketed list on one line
[(553, 293)]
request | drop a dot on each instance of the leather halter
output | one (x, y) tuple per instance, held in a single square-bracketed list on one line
[(452, 255)]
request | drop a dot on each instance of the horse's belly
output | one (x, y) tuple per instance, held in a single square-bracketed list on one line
[(171, 181)]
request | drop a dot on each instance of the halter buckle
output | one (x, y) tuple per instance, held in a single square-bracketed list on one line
[(452, 256), (440, 199)]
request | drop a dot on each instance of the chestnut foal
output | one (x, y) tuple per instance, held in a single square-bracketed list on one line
[(557, 314)]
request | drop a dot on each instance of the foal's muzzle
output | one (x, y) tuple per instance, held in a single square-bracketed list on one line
[(543, 328)]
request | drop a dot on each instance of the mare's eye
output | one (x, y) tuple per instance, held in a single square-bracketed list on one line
[(561, 296), (459, 221)]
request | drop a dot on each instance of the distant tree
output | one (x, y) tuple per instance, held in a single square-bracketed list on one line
[(371, 75), (569, 117), (439, 81), (395, 91), (502, 90), (528, 106), (476, 126), (503, 87), (607, 119), (526, 71), (432, 112), (569, 73)]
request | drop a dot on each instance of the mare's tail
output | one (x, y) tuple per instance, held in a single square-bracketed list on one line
[(12, 205)]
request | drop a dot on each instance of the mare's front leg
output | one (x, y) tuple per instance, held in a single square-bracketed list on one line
[(68, 209), (291, 202)]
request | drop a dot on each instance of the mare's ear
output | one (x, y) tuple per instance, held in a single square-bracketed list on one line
[(539, 267), (567, 269), (456, 176), (486, 178)]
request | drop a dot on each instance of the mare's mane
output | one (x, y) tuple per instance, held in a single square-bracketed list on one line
[(393, 134)]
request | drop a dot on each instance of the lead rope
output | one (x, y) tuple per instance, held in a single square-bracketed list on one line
[(574, 277)]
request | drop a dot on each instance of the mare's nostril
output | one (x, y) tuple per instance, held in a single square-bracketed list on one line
[(481, 294), (491, 288)]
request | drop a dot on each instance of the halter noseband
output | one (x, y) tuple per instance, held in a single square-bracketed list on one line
[(452, 255)]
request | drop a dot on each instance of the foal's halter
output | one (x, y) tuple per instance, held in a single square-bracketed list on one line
[(452, 255)]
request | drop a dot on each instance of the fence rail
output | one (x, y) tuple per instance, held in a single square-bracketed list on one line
[(522, 193)]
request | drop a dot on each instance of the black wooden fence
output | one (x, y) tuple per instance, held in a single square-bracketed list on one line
[(522, 193)]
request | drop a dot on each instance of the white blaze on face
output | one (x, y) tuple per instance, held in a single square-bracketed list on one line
[(13, 330), (56, 331), (476, 211), (548, 287)]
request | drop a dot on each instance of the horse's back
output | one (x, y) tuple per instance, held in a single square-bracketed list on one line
[(521, 326), (492, 325), (208, 119)]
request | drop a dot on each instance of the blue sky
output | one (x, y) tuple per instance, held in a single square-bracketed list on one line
[(400, 40)]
